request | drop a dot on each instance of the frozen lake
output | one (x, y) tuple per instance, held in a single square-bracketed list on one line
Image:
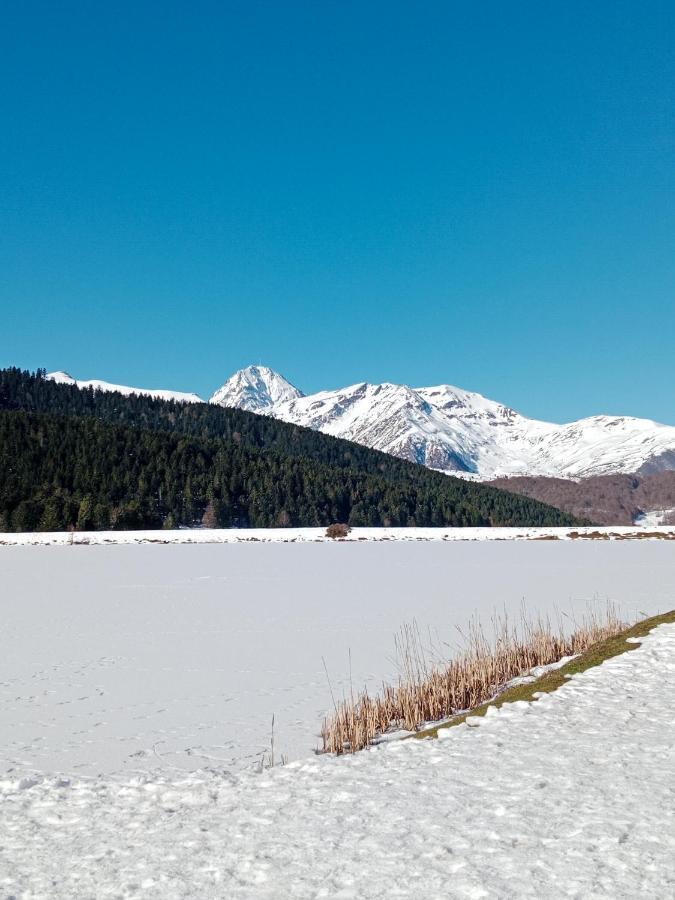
[(129, 658)]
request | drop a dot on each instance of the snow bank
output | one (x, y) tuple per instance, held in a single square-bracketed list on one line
[(570, 796)]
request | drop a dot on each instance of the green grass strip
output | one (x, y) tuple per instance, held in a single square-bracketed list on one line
[(594, 656)]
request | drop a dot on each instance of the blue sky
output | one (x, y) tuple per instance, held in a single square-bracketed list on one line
[(481, 194)]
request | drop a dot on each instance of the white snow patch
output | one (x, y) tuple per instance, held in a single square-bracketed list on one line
[(537, 672), (655, 517), (106, 386)]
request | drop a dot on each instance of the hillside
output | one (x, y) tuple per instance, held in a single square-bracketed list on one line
[(92, 459), (607, 499)]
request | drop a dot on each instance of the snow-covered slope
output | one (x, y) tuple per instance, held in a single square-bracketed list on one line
[(256, 389), (387, 417), (458, 431), (179, 396)]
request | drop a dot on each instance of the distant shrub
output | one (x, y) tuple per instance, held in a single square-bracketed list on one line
[(337, 530)]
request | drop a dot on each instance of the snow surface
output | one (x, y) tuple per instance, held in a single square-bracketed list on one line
[(570, 796), (318, 535), (457, 431), (158, 394), (655, 517), (131, 658)]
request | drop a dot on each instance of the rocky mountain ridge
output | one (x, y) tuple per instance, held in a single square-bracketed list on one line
[(460, 432)]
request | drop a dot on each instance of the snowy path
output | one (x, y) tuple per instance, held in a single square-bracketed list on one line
[(572, 796)]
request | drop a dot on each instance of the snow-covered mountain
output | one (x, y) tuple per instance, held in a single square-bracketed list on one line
[(257, 389), (458, 431), (442, 427), (65, 378)]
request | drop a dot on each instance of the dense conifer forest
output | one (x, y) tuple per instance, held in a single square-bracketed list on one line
[(85, 459)]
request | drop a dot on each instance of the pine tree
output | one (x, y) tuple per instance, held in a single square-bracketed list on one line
[(86, 519)]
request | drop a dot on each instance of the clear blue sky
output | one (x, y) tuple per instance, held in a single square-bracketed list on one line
[(474, 193)]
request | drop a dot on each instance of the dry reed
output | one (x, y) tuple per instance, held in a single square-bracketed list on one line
[(428, 691)]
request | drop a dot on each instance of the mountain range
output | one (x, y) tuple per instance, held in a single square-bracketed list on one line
[(609, 469), (93, 458), (444, 427)]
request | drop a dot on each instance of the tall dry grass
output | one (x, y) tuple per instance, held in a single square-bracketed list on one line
[(428, 691)]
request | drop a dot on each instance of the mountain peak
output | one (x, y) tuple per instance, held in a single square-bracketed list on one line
[(457, 402), (61, 377), (255, 388)]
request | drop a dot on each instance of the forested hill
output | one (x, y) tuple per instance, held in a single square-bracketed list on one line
[(86, 459)]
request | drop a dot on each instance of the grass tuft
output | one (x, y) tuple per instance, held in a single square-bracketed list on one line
[(432, 691), (596, 654)]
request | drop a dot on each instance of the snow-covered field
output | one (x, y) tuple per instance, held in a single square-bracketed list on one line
[(571, 796), (133, 658), (648, 528)]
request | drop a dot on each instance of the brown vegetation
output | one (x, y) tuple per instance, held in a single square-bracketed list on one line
[(531, 691), (209, 519), (603, 500), (338, 530), (616, 536), (431, 691)]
